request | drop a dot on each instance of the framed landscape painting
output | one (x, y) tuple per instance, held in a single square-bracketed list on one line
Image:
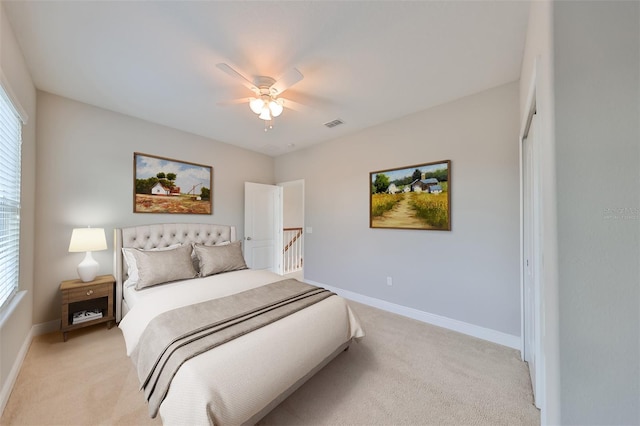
[(412, 197), (163, 185)]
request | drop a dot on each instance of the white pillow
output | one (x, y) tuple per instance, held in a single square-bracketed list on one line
[(132, 267)]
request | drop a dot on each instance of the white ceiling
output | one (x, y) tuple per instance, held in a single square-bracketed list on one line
[(365, 62)]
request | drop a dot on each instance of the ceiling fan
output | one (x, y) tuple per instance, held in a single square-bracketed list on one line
[(266, 101)]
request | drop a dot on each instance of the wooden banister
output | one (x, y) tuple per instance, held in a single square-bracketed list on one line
[(292, 249)]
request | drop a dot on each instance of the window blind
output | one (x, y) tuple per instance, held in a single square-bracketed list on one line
[(10, 159)]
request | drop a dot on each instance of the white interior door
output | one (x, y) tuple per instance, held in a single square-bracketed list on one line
[(263, 226), (531, 257)]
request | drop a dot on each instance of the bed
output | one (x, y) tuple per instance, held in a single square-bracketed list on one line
[(241, 379)]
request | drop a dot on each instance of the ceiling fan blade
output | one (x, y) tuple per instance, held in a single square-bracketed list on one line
[(235, 74), (286, 81), (296, 106), (235, 101)]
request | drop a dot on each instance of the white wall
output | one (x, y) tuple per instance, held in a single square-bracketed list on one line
[(469, 274), (85, 177), (293, 204), (597, 123), (15, 326)]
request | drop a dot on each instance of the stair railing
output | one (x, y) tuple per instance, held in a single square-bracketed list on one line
[(292, 251)]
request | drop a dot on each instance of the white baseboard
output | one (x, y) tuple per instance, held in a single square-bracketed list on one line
[(488, 334), (15, 370), (46, 327), (36, 330)]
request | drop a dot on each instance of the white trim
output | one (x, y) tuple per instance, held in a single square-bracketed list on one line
[(524, 130), (15, 370), (13, 99), (530, 104), (36, 330), (10, 381), (530, 109), (488, 334), (10, 306), (46, 327)]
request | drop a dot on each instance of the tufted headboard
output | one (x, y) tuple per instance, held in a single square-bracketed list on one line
[(160, 235)]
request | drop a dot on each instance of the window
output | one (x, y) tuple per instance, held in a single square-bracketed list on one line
[(10, 158)]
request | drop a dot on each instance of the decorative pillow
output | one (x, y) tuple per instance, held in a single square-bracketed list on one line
[(194, 257), (219, 258), (157, 267), (132, 268)]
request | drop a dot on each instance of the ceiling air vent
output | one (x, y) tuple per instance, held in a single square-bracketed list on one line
[(334, 123)]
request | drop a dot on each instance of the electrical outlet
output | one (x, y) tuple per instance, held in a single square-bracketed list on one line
[(389, 281)]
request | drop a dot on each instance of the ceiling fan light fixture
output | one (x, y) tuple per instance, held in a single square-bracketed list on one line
[(265, 115), (266, 91), (275, 106), (256, 105)]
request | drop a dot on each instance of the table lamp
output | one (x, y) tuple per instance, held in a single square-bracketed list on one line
[(88, 240)]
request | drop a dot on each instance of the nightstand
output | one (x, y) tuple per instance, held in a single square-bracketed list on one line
[(93, 296)]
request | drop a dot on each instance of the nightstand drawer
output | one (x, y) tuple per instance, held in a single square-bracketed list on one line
[(87, 293)]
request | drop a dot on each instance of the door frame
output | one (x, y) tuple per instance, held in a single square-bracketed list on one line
[(301, 183), (536, 200)]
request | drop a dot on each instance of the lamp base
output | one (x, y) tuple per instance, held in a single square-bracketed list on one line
[(88, 268)]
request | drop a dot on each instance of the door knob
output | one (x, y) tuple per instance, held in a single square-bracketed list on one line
[(248, 238)]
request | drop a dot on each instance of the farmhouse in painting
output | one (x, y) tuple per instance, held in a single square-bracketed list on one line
[(158, 189), (424, 185), (435, 189)]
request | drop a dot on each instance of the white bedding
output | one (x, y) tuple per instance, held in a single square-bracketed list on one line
[(232, 383), (131, 296)]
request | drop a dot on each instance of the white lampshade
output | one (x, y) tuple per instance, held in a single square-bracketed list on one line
[(265, 115), (256, 105), (88, 240), (276, 108)]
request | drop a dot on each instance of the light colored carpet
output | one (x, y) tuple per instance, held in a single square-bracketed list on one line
[(403, 372)]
